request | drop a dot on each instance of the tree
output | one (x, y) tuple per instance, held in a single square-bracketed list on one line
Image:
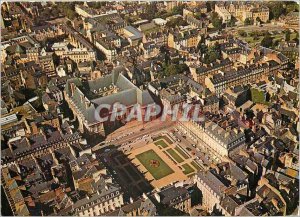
[(258, 20), (291, 7), (210, 5), (267, 41), (216, 21), (173, 69), (96, 5), (179, 21), (242, 33), (199, 15), (68, 9), (287, 35), (150, 10), (166, 53), (178, 9), (248, 21), (276, 10), (231, 22), (202, 48), (212, 54)]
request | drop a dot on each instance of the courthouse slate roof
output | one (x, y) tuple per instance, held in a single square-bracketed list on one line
[(212, 181), (86, 100)]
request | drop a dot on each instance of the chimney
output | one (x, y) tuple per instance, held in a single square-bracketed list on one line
[(87, 104), (217, 169), (235, 130), (275, 203), (72, 87), (145, 196), (157, 197)]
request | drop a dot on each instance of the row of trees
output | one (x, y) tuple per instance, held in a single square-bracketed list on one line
[(216, 20), (278, 8), (179, 21), (151, 11), (171, 67), (68, 8)]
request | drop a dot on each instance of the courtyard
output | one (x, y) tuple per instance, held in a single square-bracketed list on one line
[(154, 164), (162, 161)]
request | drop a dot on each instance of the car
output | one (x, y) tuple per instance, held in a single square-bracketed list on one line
[(194, 145), (178, 140), (107, 150), (188, 148)]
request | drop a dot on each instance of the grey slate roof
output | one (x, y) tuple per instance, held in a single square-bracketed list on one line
[(212, 181), (128, 94)]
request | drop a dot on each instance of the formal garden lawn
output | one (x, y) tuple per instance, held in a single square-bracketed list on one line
[(187, 169), (154, 164), (166, 138), (161, 143), (175, 156), (181, 152)]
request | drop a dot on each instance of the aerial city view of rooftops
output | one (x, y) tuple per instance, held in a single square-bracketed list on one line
[(150, 108)]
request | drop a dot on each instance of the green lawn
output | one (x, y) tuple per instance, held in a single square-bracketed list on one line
[(161, 143), (175, 156), (181, 152), (157, 172), (187, 169), (257, 96), (195, 165), (166, 138)]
